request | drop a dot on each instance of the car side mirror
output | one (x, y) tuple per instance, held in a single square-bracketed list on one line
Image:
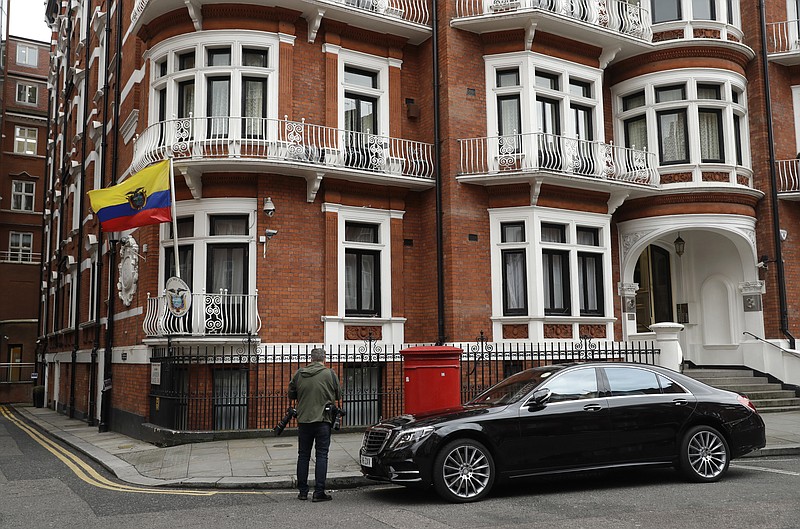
[(539, 399)]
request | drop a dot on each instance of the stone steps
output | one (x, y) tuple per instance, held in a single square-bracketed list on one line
[(767, 397)]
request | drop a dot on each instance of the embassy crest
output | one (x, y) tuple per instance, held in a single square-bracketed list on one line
[(137, 198)]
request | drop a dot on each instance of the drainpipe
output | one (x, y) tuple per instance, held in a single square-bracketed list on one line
[(43, 275), (105, 406), (437, 147), (773, 182)]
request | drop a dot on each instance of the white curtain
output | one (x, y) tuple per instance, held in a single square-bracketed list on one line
[(709, 136), (587, 282), (636, 133), (219, 105), (254, 110), (350, 282), (554, 268), (673, 137), (360, 233), (367, 282), (515, 280)]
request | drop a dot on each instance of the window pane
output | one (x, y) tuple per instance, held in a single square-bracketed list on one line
[(508, 78), (575, 385), (185, 228), (703, 9), (556, 282), (358, 77), (625, 381), (590, 283), (554, 233), (254, 93), (672, 140), (636, 133), (186, 61), (185, 99), (509, 118), (515, 298), (711, 149), (256, 58), (227, 269), (219, 100), (737, 138), (186, 254), (633, 101), (584, 126), (588, 236), (580, 88), (350, 281), (219, 57), (512, 232), (358, 232), (670, 93), (666, 10), (546, 80), (368, 272), (708, 91), (229, 225), (669, 386)]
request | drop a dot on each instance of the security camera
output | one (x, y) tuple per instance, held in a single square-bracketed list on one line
[(271, 233), (269, 207)]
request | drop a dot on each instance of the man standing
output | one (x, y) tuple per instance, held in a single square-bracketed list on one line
[(314, 387)]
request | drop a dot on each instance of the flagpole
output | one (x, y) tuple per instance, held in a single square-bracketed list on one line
[(174, 219)]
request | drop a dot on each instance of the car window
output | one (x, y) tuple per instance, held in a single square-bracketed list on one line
[(627, 381), (669, 386), (573, 385)]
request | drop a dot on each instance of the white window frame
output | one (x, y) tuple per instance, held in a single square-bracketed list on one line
[(21, 139), (687, 12), (533, 217), (19, 188), (24, 254), (371, 63), (201, 210), (528, 64), (28, 89), (200, 43), (27, 55), (728, 82)]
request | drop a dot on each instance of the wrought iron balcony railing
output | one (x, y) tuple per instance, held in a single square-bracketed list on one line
[(788, 173), (282, 141), (614, 15), (550, 153), (209, 315), (783, 36)]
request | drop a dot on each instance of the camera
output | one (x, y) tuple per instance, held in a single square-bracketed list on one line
[(290, 414), (336, 415)]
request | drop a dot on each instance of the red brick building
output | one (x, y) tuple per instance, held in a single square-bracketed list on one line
[(559, 170), (23, 123)]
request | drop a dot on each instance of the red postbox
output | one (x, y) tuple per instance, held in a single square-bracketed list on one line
[(431, 378)]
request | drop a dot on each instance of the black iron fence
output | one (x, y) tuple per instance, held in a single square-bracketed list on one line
[(244, 387)]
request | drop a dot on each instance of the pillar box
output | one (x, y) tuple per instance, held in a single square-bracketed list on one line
[(431, 378)]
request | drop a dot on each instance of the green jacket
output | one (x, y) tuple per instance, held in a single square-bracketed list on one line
[(314, 386)]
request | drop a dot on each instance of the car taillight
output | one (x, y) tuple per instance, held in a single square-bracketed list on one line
[(744, 401)]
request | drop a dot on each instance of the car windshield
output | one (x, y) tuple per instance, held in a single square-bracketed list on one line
[(515, 387)]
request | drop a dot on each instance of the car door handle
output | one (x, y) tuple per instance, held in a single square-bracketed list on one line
[(680, 402), (592, 407)]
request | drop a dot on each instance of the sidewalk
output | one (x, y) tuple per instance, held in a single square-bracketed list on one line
[(267, 462)]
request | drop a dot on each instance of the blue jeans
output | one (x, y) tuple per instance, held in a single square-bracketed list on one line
[(319, 435)]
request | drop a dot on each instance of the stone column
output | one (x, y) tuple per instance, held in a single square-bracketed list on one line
[(667, 340)]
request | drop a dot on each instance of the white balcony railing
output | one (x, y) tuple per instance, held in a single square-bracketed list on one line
[(783, 36), (540, 152), (416, 11), (282, 141), (209, 315), (20, 256), (788, 173), (614, 15)]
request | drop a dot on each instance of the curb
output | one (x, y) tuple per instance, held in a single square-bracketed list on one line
[(779, 450)]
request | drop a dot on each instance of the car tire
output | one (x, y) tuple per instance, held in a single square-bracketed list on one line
[(463, 471), (704, 456)]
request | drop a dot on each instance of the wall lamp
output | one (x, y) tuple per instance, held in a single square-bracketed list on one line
[(680, 245)]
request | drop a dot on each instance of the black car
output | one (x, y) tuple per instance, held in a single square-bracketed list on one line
[(566, 418)]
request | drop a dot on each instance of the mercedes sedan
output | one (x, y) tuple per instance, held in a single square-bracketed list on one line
[(566, 418)]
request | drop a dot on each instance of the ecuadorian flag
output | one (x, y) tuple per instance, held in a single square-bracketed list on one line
[(142, 199)]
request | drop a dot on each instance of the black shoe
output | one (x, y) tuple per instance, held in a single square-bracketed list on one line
[(302, 496), (321, 497)]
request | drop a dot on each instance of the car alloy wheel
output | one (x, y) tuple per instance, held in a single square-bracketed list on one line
[(704, 454), (464, 471)]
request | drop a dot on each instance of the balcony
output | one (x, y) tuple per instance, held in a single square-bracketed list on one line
[(20, 257), (598, 22), (788, 176), (561, 160), (410, 19), (783, 42), (214, 315), (292, 147)]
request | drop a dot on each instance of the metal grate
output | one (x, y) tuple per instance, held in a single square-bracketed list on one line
[(374, 440)]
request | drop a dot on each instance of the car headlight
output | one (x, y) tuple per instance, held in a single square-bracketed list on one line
[(407, 438)]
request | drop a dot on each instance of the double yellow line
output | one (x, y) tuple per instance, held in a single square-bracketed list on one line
[(89, 475)]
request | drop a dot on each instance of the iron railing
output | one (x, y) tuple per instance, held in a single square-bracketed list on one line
[(20, 256), (282, 141), (245, 386), (788, 175), (16, 371), (540, 151), (209, 314), (614, 15), (783, 36)]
